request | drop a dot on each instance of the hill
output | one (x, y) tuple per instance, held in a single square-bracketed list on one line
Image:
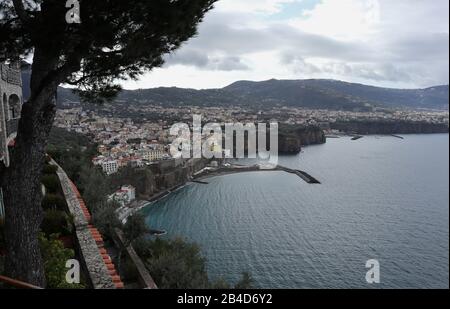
[(314, 94), (310, 93), (332, 94)]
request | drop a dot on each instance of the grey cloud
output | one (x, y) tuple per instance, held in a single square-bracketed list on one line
[(381, 72), (378, 72), (231, 64), (419, 47), (298, 64), (216, 36), (395, 54), (188, 57), (201, 60)]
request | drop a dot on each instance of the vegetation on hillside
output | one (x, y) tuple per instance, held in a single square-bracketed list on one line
[(315, 94), (174, 263), (178, 264), (55, 257)]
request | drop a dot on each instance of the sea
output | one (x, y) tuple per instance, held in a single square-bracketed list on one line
[(381, 198)]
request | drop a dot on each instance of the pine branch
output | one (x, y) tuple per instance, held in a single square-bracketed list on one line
[(21, 12)]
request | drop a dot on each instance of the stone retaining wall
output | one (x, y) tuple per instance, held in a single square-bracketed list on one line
[(144, 277), (99, 275)]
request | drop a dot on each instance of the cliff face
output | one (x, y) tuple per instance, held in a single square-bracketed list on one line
[(292, 139), (311, 136), (289, 144), (389, 127), (159, 177)]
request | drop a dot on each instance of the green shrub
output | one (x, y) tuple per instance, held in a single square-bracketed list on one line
[(135, 228), (55, 256), (105, 219), (50, 169), (51, 183), (53, 201), (128, 271), (177, 264), (56, 222)]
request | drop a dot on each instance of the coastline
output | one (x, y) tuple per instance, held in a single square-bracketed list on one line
[(208, 208), (141, 204), (209, 173), (236, 169)]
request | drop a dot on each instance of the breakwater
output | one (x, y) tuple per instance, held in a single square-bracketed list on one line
[(233, 169), (209, 172)]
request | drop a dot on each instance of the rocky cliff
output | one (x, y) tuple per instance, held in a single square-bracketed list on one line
[(292, 138), (389, 127), (159, 177)]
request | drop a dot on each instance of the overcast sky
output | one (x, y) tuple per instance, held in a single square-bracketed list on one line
[(389, 43)]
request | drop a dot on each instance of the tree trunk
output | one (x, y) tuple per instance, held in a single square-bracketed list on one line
[(22, 188)]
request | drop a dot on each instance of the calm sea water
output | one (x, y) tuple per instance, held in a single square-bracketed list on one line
[(381, 198)]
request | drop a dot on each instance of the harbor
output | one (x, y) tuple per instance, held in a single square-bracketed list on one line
[(209, 172)]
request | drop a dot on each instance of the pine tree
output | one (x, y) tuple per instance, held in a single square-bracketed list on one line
[(115, 39)]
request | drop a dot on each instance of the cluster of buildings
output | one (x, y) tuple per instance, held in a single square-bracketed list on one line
[(138, 134), (166, 116), (112, 158), (303, 116), (121, 142)]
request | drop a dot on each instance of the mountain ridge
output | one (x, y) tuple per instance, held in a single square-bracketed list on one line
[(311, 93), (308, 93), (430, 97)]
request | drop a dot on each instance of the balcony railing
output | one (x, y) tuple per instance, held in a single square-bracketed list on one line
[(10, 75), (17, 284)]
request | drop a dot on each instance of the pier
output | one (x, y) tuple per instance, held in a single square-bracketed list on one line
[(357, 137), (200, 182), (303, 175), (397, 136), (234, 169)]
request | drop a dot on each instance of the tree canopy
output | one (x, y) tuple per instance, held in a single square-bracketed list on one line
[(116, 39)]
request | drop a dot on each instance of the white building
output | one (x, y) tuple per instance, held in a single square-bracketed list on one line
[(156, 155), (152, 154), (110, 167), (130, 192), (124, 195)]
